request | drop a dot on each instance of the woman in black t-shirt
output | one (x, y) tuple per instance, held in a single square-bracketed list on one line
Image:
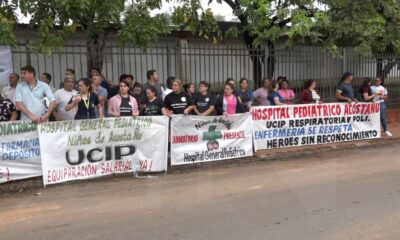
[(203, 101), (153, 105), (178, 102), (85, 102)]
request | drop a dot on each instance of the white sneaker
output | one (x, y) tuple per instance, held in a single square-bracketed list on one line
[(388, 134)]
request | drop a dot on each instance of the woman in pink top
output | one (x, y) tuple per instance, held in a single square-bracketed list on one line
[(228, 103), (286, 93), (123, 105)]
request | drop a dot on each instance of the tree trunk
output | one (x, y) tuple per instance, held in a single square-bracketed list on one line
[(95, 52), (382, 69), (257, 56), (271, 60)]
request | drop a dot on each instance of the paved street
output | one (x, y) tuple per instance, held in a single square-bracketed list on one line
[(342, 195)]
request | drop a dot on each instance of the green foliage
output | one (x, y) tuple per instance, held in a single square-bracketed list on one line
[(372, 26), (141, 28), (58, 20)]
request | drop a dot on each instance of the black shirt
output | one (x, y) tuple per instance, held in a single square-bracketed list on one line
[(87, 112), (177, 103), (203, 102), (125, 109), (153, 108)]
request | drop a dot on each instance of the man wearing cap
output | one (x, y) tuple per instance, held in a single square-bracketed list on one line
[(345, 90)]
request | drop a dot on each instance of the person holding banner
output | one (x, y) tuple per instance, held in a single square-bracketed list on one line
[(122, 104), (381, 93), (85, 102), (204, 101), (287, 94), (178, 102), (345, 90), (245, 94), (30, 97), (261, 94), (228, 103), (310, 94), (274, 96), (153, 105), (8, 112)]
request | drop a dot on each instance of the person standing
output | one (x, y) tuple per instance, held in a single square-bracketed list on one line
[(381, 94), (9, 91), (261, 94), (178, 102), (152, 80), (115, 90), (227, 103), (168, 89), (30, 97), (190, 89), (85, 102), (46, 78), (63, 96), (100, 92), (245, 94), (70, 73), (203, 100), (8, 112), (365, 91), (345, 90), (274, 96), (123, 104), (287, 94), (153, 105), (310, 94)]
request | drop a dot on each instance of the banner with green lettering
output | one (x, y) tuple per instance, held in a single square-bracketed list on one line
[(19, 151), (83, 149)]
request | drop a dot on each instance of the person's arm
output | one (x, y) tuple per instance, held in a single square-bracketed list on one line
[(340, 97), (23, 109), (135, 109), (14, 116), (188, 109), (208, 111), (100, 108), (111, 108), (277, 102), (293, 95), (164, 111), (385, 94)]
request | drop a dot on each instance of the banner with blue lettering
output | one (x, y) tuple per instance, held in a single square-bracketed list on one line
[(197, 139), (299, 125), (19, 151), (73, 150)]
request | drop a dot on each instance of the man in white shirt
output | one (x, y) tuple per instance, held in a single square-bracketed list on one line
[(63, 96), (9, 91), (381, 96)]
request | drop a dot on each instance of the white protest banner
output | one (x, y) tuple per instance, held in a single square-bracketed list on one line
[(84, 149), (202, 139), (5, 64), (19, 151), (298, 125)]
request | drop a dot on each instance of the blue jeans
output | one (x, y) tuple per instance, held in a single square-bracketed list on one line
[(384, 116)]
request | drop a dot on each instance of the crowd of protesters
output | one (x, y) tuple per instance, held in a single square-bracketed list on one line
[(96, 96)]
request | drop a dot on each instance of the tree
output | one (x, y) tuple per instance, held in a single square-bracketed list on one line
[(58, 20), (371, 26), (262, 23)]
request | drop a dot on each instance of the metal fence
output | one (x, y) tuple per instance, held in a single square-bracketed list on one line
[(215, 63)]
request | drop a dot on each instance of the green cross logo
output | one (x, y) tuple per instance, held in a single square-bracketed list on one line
[(211, 136)]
